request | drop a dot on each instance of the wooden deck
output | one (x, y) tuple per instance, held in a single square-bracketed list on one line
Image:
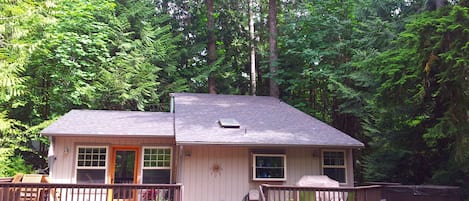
[(172, 192), (296, 193), (90, 192)]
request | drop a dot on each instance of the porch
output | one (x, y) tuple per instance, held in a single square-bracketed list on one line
[(90, 192), (297, 193), (172, 192)]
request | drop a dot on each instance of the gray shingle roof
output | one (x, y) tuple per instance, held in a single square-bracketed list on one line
[(263, 121), (112, 123)]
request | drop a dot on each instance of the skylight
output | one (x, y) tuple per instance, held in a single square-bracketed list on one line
[(228, 123)]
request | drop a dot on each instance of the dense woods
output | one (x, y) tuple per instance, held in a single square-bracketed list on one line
[(392, 73)]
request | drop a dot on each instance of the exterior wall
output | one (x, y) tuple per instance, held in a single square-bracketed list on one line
[(63, 169), (302, 161), (350, 176), (216, 173), (209, 172)]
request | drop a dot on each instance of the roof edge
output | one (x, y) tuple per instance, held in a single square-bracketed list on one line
[(103, 135), (269, 145)]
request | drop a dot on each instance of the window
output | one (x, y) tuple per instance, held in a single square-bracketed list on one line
[(156, 165), (333, 165), (269, 167), (91, 164)]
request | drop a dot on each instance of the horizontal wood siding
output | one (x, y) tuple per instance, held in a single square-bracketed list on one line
[(63, 170)]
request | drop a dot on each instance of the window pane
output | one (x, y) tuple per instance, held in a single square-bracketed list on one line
[(91, 157), (157, 157), (269, 161), (337, 174), (156, 176), (90, 176), (274, 173), (333, 158), (269, 167)]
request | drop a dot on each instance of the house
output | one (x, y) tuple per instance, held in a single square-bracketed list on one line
[(218, 146)]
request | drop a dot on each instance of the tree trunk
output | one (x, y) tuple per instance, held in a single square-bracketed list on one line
[(273, 87), (439, 3), (211, 49), (252, 37)]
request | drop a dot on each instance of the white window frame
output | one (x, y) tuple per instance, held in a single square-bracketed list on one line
[(255, 178), (92, 168), (335, 166), (170, 168)]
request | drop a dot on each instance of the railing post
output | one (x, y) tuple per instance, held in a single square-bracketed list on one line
[(264, 192)]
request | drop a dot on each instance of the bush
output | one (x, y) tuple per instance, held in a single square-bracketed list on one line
[(10, 164)]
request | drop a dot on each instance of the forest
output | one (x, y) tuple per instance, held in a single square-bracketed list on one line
[(392, 73)]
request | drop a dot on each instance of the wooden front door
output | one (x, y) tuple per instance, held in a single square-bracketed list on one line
[(124, 170)]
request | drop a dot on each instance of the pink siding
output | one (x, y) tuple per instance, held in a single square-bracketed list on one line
[(63, 170), (302, 161), (213, 173), (208, 173), (349, 155), (233, 182)]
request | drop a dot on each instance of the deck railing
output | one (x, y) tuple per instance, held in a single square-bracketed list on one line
[(89, 192), (297, 193)]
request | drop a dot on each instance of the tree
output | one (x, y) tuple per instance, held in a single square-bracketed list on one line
[(252, 38), (211, 47), (427, 122), (273, 52), (20, 23)]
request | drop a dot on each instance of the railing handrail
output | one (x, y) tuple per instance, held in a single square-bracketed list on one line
[(359, 192), (343, 188), (261, 192), (67, 185), (86, 192)]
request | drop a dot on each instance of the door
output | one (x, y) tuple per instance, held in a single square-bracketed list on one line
[(124, 170)]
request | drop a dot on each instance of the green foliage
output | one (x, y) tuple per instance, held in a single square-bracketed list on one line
[(392, 73), (20, 21), (11, 164), (59, 55), (427, 121)]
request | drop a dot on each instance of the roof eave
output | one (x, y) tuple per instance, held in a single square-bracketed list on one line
[(352, 146), (104, 135)]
